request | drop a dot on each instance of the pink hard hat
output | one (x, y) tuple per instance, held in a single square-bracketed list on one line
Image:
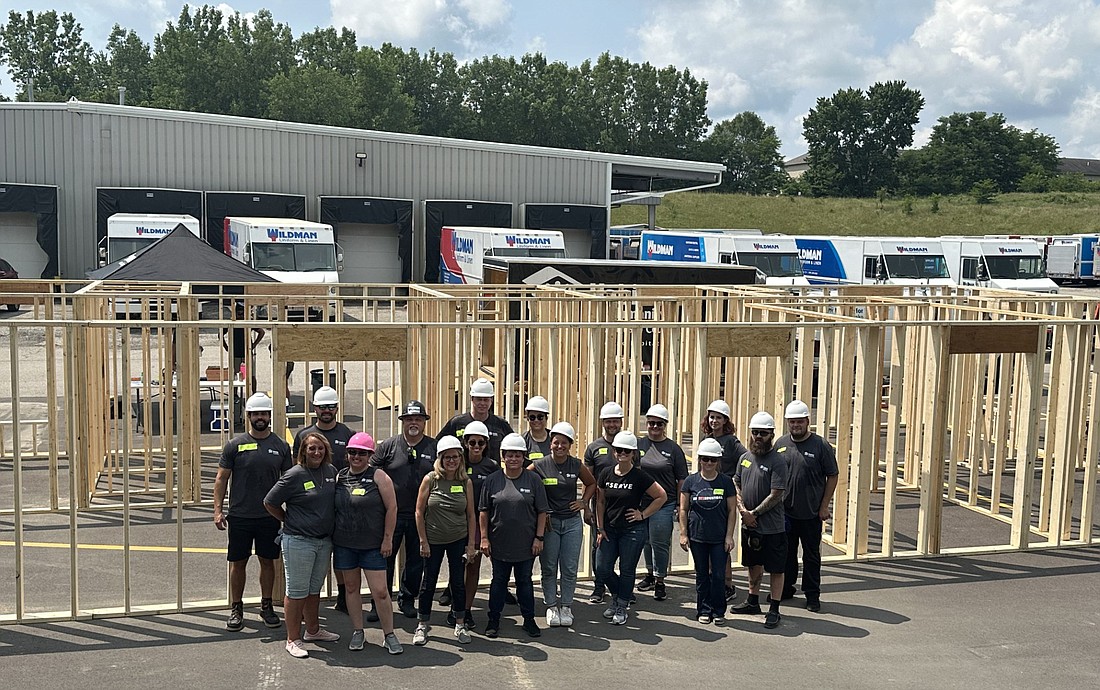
[(362, 441)]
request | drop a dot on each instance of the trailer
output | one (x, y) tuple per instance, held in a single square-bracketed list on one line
[(873, 261), (1004, 264), (131, 232), (1072, 259), (462, 250), (775, 257), (538, 271)]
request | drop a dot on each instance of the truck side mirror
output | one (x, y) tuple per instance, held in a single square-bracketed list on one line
[(880, 272), (339, 261), (983, 272)]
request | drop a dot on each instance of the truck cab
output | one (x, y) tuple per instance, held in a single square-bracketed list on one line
[(995, 263), (287, 249)]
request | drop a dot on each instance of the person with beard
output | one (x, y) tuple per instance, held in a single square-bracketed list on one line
[(662, 459), (406, 458), (598, 457), (718, 425), (481, 405), (814, 476), (536, 436), (250, 465), (761, 481), (304, 500), (708, 513), (326, 403)]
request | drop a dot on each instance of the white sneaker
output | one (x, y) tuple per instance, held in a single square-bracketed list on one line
[(620, 616), (321, 635), (462, 634), (565, 617), (295, 650), (553, 617), (420, 637)]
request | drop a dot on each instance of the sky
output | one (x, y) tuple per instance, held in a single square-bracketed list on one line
[(1032, 61)]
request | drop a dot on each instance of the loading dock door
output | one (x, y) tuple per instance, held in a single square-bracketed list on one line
[(19, 244), (584, 226), (371, 253), (443, 213), (28, 229)]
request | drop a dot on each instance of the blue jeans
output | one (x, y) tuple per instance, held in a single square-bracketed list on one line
[(625, 546), (305, 562), (710, 578), (413, 572), (525, 587), (456, 568), (561, 552), (660, 539)]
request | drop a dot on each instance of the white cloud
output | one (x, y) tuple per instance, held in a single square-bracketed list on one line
[(469, 28)]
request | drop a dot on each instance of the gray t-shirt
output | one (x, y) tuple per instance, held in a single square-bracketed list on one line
[(256, 465), (598, 456), (560, 482), (536, 449), (337, 437), (757, 477), (360, 510), (666, 463), (814, 462), (309, 498), (406, 467), (513, 506), (732, 450)]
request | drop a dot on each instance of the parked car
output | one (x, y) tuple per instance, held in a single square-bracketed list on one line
[(8, 272)]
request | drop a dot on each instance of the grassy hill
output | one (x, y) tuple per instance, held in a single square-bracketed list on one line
[(1054, 213)]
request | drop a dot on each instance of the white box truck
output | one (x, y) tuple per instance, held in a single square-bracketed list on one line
[(131, 232), (997, 263), (775, 257), (462, 250), (873, 261), (287, 249)]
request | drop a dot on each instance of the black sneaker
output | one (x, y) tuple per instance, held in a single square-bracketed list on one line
[(646, 584), (468, 620), (451, 619), (597, 595), (531, 628), (510, 598), (492, 630), (745, 608), (267, 613), (813, 605), (372, 615), (659, 593), (407, 608), (236, 617), (771, 620), (341, 604), (445, 598), (788, 593), (731, 593)]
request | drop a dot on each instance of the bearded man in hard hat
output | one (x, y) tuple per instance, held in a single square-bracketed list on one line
[(810, 489), (481, 405)]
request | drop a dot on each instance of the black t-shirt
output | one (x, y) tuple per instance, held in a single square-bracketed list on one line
[(598, 456), (620, 494), (256, 465), (665, 462), (477, 473), (360, 510), (498, 429), (309, 498), (732, 450), (708, 510), (811, 465), (536, 449), (337, 437), (406, 468), (560, 482), (513, 506), (756, 478)]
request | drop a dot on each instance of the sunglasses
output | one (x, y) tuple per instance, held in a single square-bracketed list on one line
[(622, 451), (707, 459), (325, 407), (761, 432), (355, 452), (477, 444), (536, 417), (656, 423)]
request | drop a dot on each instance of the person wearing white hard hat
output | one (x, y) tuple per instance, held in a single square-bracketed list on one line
[(598, 458), (761, 482), (664, 460), (813, 479), (445, 521), (479, 466), (536, 436), (626, 496), (708, 516), (512, 510), (481, 406), (249, 466), (718, 424), (564, 533)]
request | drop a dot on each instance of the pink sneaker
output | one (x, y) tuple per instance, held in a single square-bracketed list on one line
[(294, 648), (321, 635)]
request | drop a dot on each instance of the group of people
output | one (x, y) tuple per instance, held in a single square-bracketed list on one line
[(479, 490)]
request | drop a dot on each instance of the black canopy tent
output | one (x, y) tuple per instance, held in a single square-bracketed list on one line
[(179, 256)]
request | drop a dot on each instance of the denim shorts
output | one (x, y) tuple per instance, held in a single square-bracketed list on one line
[(344, 558), (305, 561)]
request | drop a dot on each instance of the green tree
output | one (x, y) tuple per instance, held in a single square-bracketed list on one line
[(127, 63), (437, 91), (855, 138), (316, 94), (186, 64), (749, 148), (984, 192), (382, 104), (49, 50)]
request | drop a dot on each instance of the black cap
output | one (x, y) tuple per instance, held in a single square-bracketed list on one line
[(414, 408)]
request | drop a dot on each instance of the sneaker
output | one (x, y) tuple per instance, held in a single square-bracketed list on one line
[(813, 605), (321, 635), (372, 614), (294, 648), (771, 620), (445, 598), (451, 620), (553, 617), (392, 645), (468, 620), (236, 617), (597, 595), (463, 634), (420, 637), (492, 629), (719, 620), (609, 612), (731, 592), (341, 604), (659, 593), (646, 584), (407, 608), (620, 616), (565, 617), (510, 598), (531, 627), (356, 643), (788, 593), (704, 618), (268, 615), (745, 608), (633, 598)]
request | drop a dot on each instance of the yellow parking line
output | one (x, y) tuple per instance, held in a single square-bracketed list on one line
[(114, 547)]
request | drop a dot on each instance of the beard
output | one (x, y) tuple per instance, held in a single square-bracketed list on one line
[(259, 424), (760, 446)]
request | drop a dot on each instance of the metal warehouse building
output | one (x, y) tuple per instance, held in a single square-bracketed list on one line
[(67, 167)]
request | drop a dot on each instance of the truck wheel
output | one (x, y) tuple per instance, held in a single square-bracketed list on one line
[(13, 307)]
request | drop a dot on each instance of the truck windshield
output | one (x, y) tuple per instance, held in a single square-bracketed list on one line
[(921, 267), (523, 251), (288, 256), (773, 265), (118, 248), (1014, 267)]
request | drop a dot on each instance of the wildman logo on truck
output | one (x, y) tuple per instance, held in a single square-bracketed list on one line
[(810, 255), (759, 245), (275, 234), (909, 250), (142, 230), (464, 245), (1010, 250), (652, 248), (526, 241)]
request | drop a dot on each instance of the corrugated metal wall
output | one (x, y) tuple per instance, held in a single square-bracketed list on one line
[(85, 146)]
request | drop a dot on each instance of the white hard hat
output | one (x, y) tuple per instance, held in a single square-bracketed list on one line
[(710, 448), (797, 410), (258, 402), (476, 428), (658, 410), (482, 388), (538, 404), (611, 410), (625, 439), (762, 420), (447, 443), (565, 429), (326, 395), (513, 442), (720, 407)]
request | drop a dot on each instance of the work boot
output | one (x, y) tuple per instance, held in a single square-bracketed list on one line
[(341, 604), (267, 613), (236, 617)]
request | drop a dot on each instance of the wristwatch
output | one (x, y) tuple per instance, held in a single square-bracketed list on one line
[(540, 537)]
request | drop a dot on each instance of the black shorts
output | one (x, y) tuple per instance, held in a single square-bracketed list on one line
[(244, 532), (768, 550)]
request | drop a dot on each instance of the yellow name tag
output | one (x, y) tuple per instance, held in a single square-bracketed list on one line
[(469, 470), (460, 432), (457, 489), (603, 451), (354, 492), (247, 446), (534, 456), (746, 463), (719, 492), (782, 450), (309, 485), (550, 481)]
